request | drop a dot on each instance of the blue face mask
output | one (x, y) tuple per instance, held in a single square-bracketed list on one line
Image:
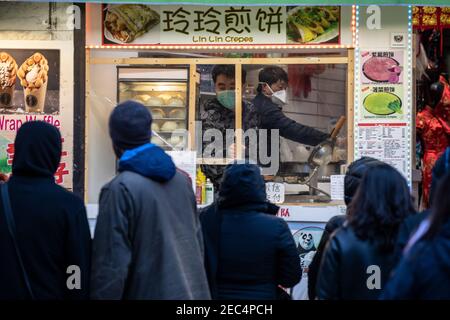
[(227, 98)]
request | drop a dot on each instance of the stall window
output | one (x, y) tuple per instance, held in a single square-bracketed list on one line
[(284, 110)]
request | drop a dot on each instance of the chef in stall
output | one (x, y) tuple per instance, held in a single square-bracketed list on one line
[(269, 102), (219, 114)]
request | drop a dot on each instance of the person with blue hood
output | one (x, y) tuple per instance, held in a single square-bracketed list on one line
[(44, 231), (148, 241), (249, 252)]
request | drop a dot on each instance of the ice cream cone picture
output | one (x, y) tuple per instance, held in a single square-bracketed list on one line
[(33, 75), (8, 72)]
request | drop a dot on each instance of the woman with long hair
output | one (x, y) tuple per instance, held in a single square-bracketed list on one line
[(424, 272), (360, 256)]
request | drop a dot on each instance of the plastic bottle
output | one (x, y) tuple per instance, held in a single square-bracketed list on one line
[(198, 186), (203, 183), (209, 187)]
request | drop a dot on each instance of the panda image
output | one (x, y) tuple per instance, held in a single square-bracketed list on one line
[(305, 245)]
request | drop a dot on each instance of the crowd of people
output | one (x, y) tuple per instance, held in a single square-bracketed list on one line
[(150, 241)]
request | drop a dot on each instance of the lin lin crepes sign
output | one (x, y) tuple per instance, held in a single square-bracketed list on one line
[(139, 24)]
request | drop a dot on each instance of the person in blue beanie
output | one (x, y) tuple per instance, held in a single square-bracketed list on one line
[(148, 242)]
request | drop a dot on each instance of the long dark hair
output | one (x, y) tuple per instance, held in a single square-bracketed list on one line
[(382, 202), (441, 208)]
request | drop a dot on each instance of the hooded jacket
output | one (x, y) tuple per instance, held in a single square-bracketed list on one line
[(51, 223), (148, 241), (424, 272), (249, 251)]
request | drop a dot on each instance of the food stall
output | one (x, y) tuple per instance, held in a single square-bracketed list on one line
[(356, 65), (174, 81)]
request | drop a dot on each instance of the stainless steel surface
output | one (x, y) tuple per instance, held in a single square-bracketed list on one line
[(302, 198)]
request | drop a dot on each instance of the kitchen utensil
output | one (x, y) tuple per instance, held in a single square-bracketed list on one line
[(322, 153)]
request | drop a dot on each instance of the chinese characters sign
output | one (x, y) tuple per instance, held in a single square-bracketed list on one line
[(218, 25), (222, 25), (431, 17), (275, 192)]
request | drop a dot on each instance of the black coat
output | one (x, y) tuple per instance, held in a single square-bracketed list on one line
[(271, 116), (248, 251), (345, 271), (406, 231), (424, 273), (313, 270), (52, 227)]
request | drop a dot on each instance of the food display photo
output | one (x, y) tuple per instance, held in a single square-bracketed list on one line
[(130, 24), (382, 67), (29, 81), (313, 25), (382, 102)]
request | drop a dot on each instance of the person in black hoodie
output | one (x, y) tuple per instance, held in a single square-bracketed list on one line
[(52, 229), (424, 272), (359, 257), (249, 251), (353, 177)]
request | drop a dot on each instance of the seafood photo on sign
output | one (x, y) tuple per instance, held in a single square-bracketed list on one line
[(313, 25)]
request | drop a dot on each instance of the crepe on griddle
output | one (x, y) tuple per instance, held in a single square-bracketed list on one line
[(127, 22)]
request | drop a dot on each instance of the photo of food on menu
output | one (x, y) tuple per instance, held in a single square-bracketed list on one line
[(29, 81)]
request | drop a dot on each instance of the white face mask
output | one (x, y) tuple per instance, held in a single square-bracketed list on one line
[(279, 97)]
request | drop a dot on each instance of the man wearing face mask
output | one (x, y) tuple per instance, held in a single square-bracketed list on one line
[(271, 97), (219, 114)]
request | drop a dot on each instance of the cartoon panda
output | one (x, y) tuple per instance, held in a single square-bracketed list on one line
[(305, 245)]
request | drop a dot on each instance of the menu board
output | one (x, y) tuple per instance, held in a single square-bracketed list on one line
[(383, 114), (385, 141)]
